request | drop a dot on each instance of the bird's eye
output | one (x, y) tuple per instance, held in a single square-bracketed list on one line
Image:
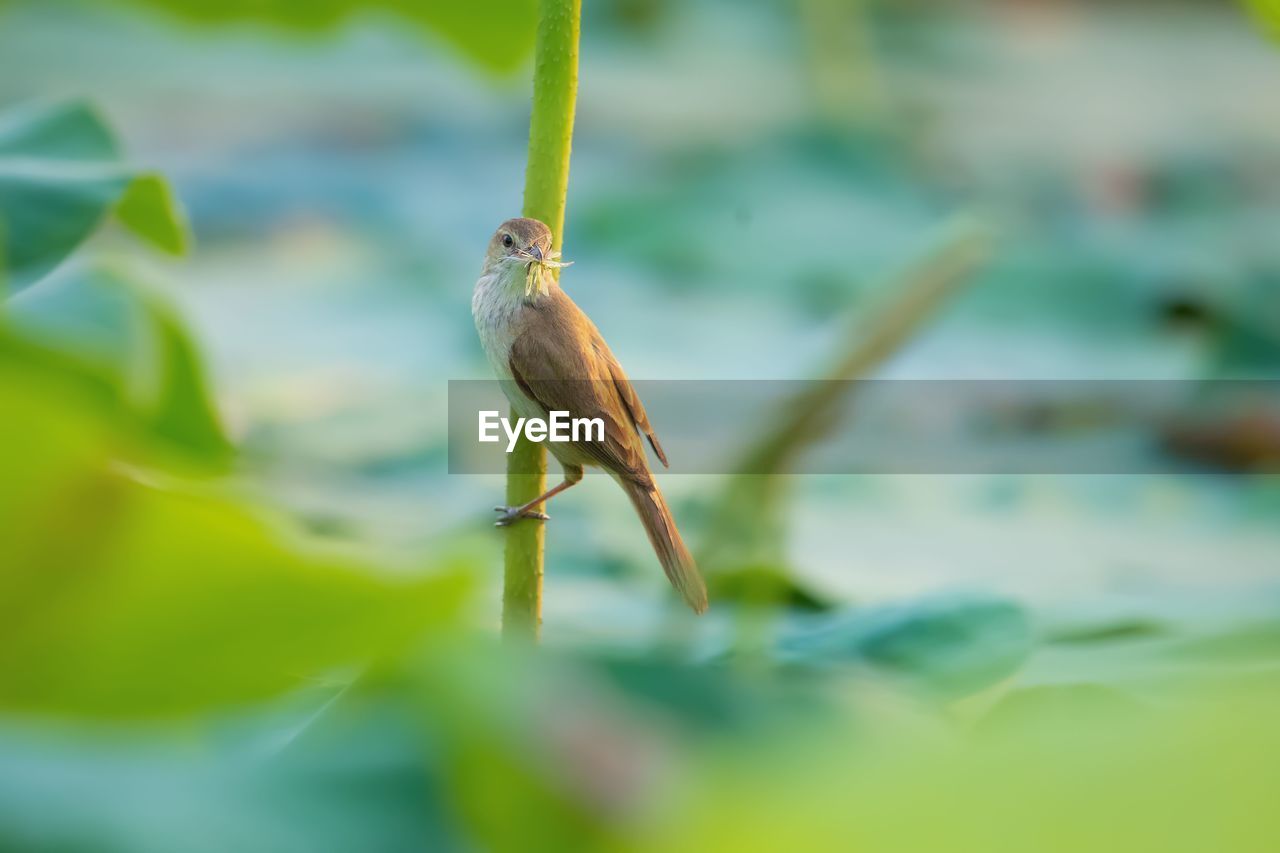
[(507, 241)]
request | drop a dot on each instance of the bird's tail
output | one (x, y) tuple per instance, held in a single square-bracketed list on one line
[(676, 560)]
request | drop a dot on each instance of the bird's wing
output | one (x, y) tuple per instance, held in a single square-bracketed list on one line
[(627, 394), (554, 361)]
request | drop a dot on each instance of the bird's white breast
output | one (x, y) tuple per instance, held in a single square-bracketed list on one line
[(494, 308)]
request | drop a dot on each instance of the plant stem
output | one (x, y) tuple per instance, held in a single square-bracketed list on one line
[(555, 90), (747, 527)]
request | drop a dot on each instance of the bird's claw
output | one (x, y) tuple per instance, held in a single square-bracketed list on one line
[(511, 514)]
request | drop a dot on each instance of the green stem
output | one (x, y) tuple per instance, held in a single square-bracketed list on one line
[(747, 526), (555, 89)]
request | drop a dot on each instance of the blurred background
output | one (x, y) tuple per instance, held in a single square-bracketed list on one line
[(245, 606)]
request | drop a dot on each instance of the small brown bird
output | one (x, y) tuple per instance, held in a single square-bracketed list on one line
[(550, 357)]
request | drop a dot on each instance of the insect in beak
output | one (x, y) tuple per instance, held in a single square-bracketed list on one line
[(536, 263), (533, 272)]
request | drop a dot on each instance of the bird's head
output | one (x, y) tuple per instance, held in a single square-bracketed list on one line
[(521, 249)]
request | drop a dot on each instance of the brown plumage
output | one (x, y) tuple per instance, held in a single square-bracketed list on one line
[(550, 357)]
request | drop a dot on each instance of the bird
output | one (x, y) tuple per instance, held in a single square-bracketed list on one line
[(549, 356)]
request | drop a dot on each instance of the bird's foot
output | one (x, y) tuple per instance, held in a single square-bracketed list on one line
[(511, 514)]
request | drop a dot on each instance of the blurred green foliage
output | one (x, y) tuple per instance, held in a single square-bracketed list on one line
[(952, 647), (181, 672), (1268, 14), (123, 339), (125, 590), (61, 176), (1080, 777), (496, 35), (127, 596)]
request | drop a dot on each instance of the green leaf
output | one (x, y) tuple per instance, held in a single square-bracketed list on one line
[(365, 788), (1267, 13), (150, 210), (56, 132), (121, 598), (1047, 706), (1084, 772), (61, 176), (951, 646), (496, 35), (764, 583), (124, 338)]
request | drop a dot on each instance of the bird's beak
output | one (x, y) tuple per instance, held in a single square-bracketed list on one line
[(536, 251)]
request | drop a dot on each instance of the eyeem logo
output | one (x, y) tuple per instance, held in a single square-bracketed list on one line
[(558, 428)]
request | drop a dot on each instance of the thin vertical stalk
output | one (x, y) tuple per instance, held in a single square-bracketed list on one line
[(555, 90)]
